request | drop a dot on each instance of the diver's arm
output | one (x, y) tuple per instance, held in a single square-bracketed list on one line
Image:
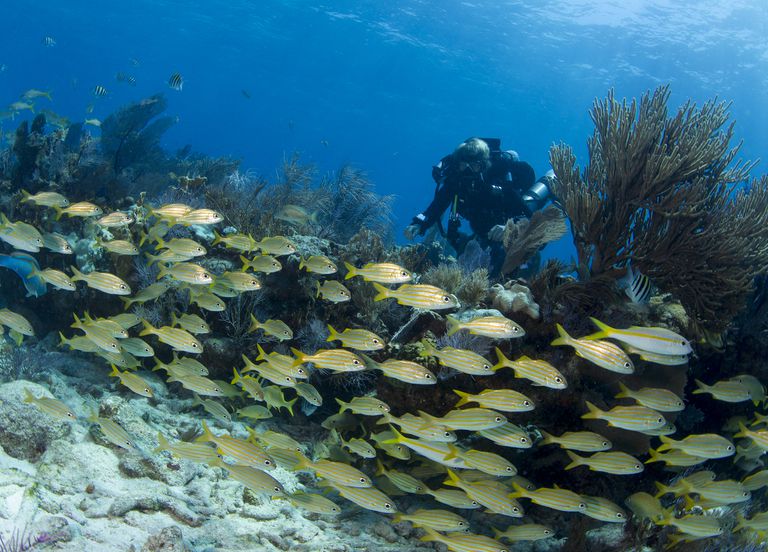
[(432, 214)]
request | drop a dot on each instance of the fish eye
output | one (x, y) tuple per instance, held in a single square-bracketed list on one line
[(547, 532), (637, 466), (558, 379), (428, 376), (461, 524), (70, 415), (619, 515), (515, 509), (660, 420), (523, 440), (447, 434), (194, 345), (122, 286), (363, 480), (627, 365), (526, 403), (606, 443), (582, 506), (356, 362), (729, 448), (387, 505), (498, 419), (508, 468), (147, 390), (446, 299), (375, 341), (288, 379), (267, 462), (475, 503), (486, 367)]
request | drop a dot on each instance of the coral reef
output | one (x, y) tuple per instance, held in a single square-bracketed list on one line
[(661, 193), (525, 237)]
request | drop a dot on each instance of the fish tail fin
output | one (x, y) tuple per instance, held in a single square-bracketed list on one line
[(207, 436), (302, 262), (237, 377), (382, 292), (114, 372), (741, 523), (428, 349), (174, 319), (399, 438), (431, 535), (605, 329), (160, 243), (654, 457), (453, 324), (496, 533), (564, 338), (576, 460), (148, 329), (216, 238), (666, 443), (701, 387), (343, 405), (502, 360), (28, 396), (742, 431), (127, 301), (317, 289), (300, 356), (594, 413), (463, 398), (519, 492), (333, 335), (453, 480), (244, 260), (59, 212), (62, 340), (662, 489), (254, 324), (351, 271), (623, 393), (77, 276), (25, 195), (262, 354), (547, 438), (289, 404), (162, 443)]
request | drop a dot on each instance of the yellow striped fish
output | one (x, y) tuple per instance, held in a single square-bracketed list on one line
[(420, 296), (508, 435), (645, 506), (604, 354), (436, 451), (603, 509), (504, 400), (467, 362), (369, 498), (756, 388), (494, 498), (50, 405), (617, 463), (190, 322), (56, 278), (336, 472), (102, 281), (731, 391), (332, 290), (469, 419), (113, 432), (359, 339), (724, 492), (319, 264), (554, 498), (633, 418), (180, 340), (314, 503), (367, 406), (190, 273), (182, 246), (200, 216), (383, 273), (198, 384), (439, 520), (215, 409), (662, 400), (406, 371), (244, 452), (413, 425), (276, 245), (759, 438), (706, 445), (275, 328), (115, 220), (495, 327), (539, 372), (454, 498), (338, 360), (464, 543), (756, 481), (526, 532), (261, 263), (652, 339), (17, 322), (137, 347), (81, 209), (694, 525), (149, 293), (253, 478), (196, 452), (584, 441), (403, 481), (133, 382), (488, 462), (241, 242), (675, 458)]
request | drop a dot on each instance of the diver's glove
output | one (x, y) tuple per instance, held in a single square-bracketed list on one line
[(496, 233), (411, 231)]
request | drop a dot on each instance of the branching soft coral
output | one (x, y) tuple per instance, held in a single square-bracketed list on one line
[(660, 193)]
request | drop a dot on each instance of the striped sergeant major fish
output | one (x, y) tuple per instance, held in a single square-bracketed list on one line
[(637, 286), (176, 81), (99, 91)]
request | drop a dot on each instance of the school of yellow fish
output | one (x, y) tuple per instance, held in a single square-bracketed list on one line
[(473, 478)]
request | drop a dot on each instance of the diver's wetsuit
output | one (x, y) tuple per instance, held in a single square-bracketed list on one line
[(485, 199)]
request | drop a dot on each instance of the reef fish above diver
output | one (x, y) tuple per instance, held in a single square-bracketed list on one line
[(25, 266)]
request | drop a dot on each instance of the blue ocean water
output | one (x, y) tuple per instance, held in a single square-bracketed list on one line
[(391, 86)]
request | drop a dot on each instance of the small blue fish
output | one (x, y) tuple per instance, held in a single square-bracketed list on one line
[(24, 265)]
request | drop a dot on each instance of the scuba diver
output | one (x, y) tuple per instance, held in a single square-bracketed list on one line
[(485, 186)]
